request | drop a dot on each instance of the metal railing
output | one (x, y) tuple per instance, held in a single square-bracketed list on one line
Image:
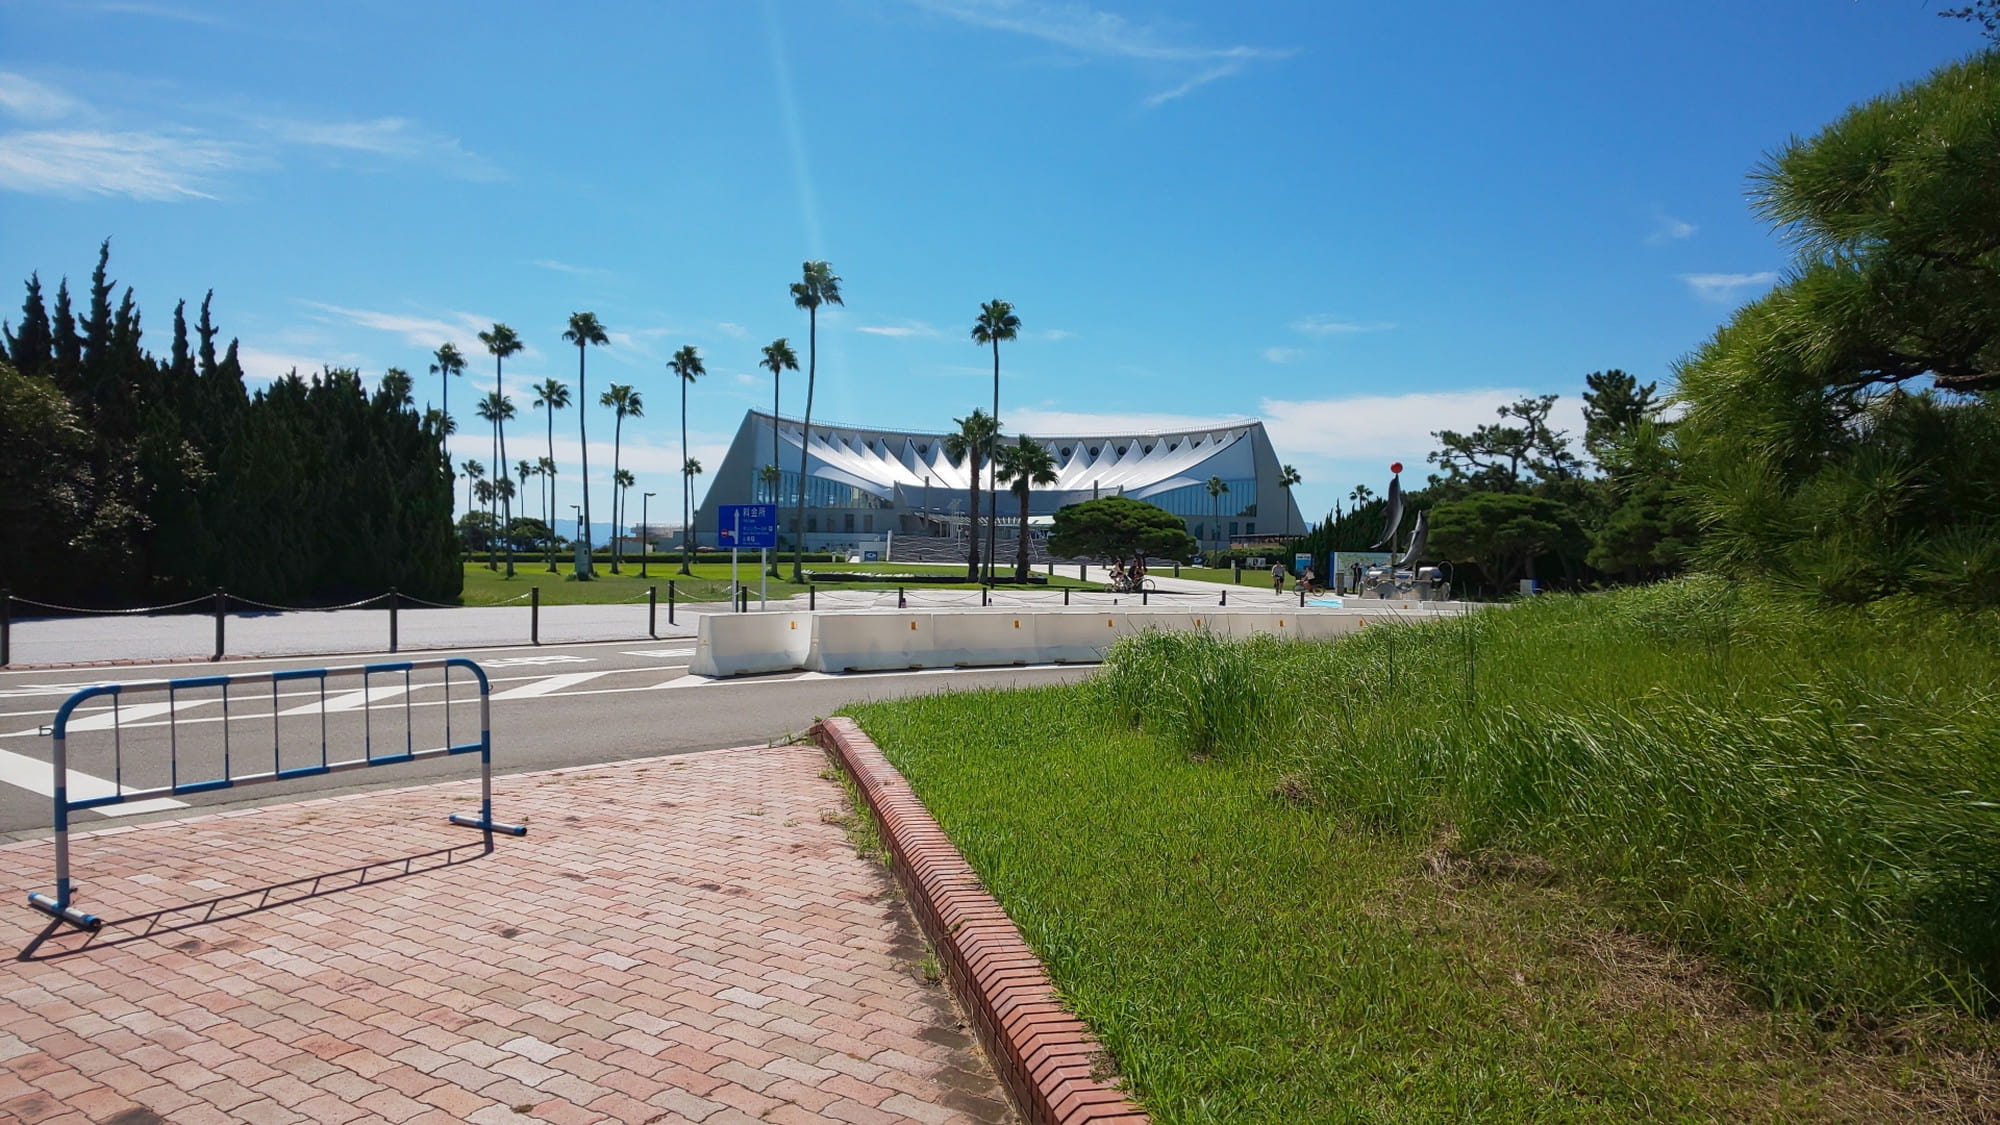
[(219, 605), (164, 771)]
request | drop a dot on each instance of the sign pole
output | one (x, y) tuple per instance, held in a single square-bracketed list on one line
[(763, 579), (735, 537)]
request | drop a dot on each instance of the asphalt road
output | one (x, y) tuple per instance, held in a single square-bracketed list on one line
[(552, 706)]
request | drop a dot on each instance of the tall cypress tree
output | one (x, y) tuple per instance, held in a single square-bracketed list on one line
[(32, 348)]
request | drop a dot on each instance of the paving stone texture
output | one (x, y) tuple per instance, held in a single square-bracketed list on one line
[(684, 939)]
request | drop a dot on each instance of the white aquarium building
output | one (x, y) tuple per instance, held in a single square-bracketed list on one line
[(864, 486)]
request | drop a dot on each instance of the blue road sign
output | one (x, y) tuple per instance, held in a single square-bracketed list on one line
[(747, 526)]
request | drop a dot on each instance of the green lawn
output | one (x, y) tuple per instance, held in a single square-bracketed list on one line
[(709, 583), (1683, 853)]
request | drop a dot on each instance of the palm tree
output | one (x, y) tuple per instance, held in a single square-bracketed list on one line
[(523, 469), (690, 469), (545, 467), (503, 342), (621, 481), (552, 395), (973, 441), (819, 287), (396, 388), (1361, 495), (447, 366), (778, 359), (623, 401), (1027, 463), (498, 409), (1287, 477), (583, 331), (483, 489), (474, 473), (996, 322), (686, 366), (1216, 487)]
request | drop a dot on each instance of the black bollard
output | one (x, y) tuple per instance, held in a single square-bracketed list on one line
[(1145, 596), (901, 601), (1302, 597), (1225, 597), (812, 597), (1065, 595), (394, 598), (221, 611), (670, 601), (652, 611), (6, 627), (534, 615), (1082, 572), (983, 600)]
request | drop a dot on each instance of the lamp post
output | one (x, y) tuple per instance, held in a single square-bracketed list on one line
[(643, 551)]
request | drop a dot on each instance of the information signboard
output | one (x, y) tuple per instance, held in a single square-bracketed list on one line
[(747, 526)]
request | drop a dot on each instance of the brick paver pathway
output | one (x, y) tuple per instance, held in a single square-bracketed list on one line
[(678, 939)]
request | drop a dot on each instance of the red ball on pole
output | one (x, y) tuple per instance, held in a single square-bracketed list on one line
[(1396, 467)]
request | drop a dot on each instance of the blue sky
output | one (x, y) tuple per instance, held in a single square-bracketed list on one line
[(1359, 222)]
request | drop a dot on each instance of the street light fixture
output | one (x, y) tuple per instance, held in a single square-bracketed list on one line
[(644, 548)]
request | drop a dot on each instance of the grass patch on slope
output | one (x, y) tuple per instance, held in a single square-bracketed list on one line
[(1676, 853)]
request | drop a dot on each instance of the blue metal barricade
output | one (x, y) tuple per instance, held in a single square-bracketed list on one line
[(253, 759)]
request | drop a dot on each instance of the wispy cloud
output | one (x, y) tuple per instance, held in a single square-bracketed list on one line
[(905, 329), (1667, 229), (1056, 423), (261, 364), (1284, 355), (1724, 288), (21, 96), (151, 11), (1053, 334), (1088, 31), (427, 332), (1322, 324), (1392, 426), (149, 166), (395, 138), (565, 267), (732, 330)]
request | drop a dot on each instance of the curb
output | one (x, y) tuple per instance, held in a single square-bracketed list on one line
[(1042, 1054)]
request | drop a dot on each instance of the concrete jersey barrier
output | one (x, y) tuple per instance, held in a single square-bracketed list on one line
[(741, 644), (872, 641)]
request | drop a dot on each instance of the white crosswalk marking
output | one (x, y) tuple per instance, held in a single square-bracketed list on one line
[(134, 712), (39, 777), (548, 685), (350, 700)]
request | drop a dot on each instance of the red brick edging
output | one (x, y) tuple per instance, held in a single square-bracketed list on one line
[(1042, 1054)]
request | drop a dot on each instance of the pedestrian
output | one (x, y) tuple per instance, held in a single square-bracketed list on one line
[(1278, 578)]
